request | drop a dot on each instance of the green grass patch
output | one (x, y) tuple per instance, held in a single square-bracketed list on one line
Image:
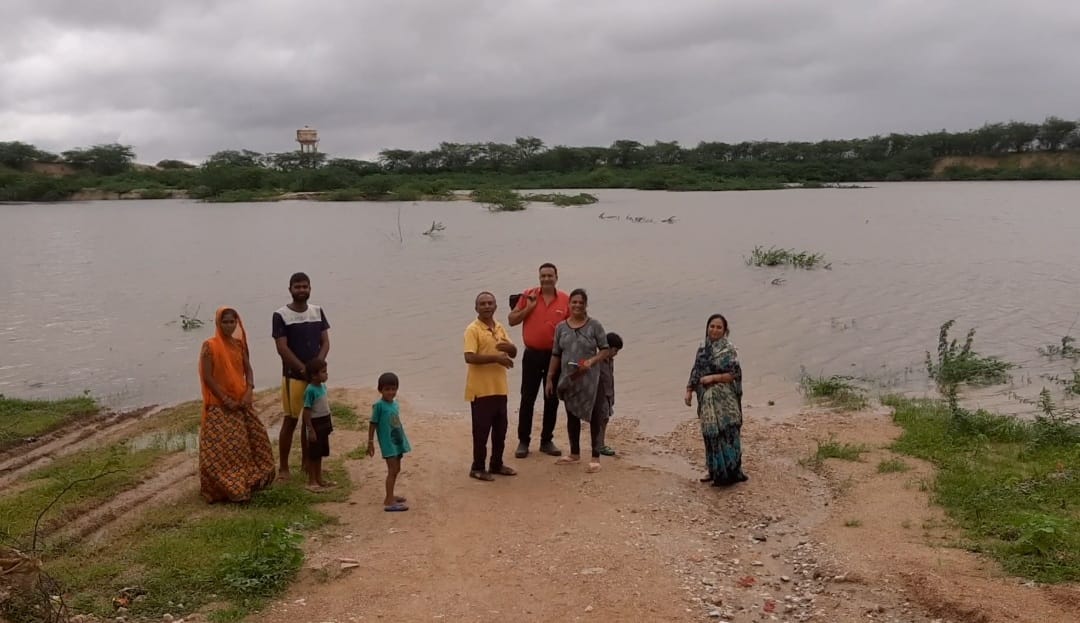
[(345, 416), (121, 469), (20, 419), (231, 557), (836, 391), (852, 523), (832, 449), (773, 256), (892, 466), (1014, 488)]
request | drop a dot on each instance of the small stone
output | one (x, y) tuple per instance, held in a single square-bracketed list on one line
[(708, 581), (166, 617), (588, 608), (757, 563), (759, 536), (592, 571), (785, 578), (121, 610)]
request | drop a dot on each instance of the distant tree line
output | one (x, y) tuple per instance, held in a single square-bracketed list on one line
[(529, 163)]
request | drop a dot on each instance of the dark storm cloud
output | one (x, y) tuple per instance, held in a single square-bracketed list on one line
[(186, 79)]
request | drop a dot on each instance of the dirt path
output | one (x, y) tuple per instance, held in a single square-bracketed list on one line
[(642, 540)]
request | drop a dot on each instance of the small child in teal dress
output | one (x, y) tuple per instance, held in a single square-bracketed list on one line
[(386, 423)]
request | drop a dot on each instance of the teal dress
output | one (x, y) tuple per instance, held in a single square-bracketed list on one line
[(386, 419)]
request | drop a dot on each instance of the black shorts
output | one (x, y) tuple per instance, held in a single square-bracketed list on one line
[(323, 427)]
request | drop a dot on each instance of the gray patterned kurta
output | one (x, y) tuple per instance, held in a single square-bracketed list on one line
[(574, 345)]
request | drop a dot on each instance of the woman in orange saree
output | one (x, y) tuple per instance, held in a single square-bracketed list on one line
[(235, 458)]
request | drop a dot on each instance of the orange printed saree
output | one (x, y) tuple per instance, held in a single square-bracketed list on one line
[(235, 458)]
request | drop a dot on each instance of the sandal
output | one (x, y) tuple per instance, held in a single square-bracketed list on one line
[(481, 475), (504, 470), (396, 508), (567, 460), (593, 467), (607, 451)]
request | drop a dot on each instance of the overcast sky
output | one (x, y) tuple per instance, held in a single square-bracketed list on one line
[(183, 79)]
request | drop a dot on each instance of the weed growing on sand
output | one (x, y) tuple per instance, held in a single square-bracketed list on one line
[(1012, 484), (832, 449), (344, 416), (760, 256), (835, 391), (892, 466), (852, 523)]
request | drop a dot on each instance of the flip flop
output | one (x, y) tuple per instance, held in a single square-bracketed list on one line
[(505, 470), (395, 508), (567, 460), (607, 451), (481, 475)]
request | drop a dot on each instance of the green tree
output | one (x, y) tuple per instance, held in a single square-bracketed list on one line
[(19, 155), (1021, 135), (110, 159), (234, 158), (174, 164), (1054, 131)]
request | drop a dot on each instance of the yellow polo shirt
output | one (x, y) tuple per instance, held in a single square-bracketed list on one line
[(488, 379)]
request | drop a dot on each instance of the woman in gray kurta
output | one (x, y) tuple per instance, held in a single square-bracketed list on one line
[(580, 343)]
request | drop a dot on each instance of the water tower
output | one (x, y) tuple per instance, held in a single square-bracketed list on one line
[(308, 139)]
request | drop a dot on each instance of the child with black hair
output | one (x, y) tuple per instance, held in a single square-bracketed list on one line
[(607, 389), (317, 425), (386, 422)]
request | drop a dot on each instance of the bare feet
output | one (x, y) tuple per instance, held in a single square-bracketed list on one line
[(327, 484), (284, 475), (316, 488), (592, 468), (569, 459)]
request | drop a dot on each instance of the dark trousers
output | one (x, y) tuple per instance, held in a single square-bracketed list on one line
[(534, 365), (573, 427), (488, 419)]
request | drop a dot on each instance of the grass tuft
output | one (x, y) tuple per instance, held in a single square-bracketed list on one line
[(835, 391), (892, 466), (760, 256)]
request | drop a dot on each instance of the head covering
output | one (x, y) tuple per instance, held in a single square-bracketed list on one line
[(227, 355)]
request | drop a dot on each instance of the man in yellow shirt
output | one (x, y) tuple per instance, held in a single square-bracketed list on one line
[(489, 353)]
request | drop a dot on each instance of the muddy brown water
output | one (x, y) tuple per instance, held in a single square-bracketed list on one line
[(93, 292)]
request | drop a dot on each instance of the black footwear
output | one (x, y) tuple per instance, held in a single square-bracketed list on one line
[(549, 448), (522, 451)]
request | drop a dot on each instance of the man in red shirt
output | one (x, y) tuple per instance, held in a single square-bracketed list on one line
[(538, 310)]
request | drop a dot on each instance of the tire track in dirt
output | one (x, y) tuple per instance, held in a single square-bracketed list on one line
[(99, 430)]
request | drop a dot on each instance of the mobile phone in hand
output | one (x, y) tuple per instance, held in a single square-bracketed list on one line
[(514, 298)]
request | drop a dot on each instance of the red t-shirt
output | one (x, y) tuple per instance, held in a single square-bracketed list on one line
[(538, 330)]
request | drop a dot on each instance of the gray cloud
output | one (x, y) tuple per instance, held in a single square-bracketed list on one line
[(186, 79)]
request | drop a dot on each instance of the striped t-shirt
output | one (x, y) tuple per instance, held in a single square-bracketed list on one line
[(302, 332)]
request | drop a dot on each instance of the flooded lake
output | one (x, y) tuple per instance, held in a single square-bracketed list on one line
[(93, 292)]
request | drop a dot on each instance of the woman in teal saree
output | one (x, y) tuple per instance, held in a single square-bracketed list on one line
[(716, 379)]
